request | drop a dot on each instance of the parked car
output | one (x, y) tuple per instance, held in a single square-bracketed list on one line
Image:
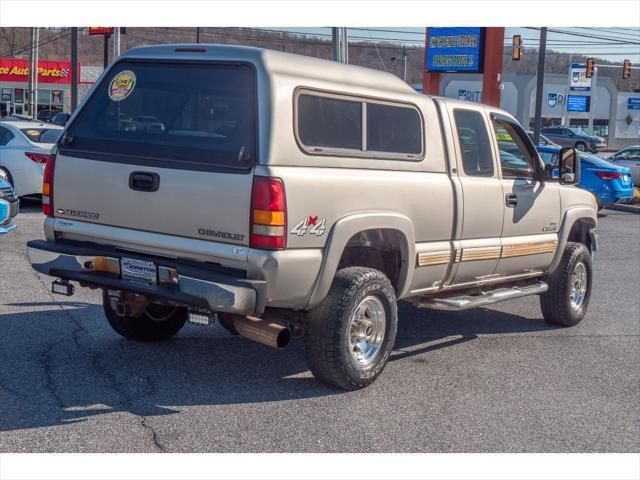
[(575, 137), (60, 119), (610, 183), (307, 213), (46, 115), (543, 140), (24, 150), (628, 157), (9, 205)]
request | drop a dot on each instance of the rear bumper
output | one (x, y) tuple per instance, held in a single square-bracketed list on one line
[(219, 291)]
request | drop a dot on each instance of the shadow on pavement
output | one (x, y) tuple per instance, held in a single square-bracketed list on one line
[(59, 367)]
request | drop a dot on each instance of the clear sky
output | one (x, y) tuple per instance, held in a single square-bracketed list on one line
[(611, 43)]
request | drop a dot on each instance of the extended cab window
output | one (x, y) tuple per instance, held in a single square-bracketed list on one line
[(477, 159), (515, 158), (329, 122), (176, 112), (393, 129)]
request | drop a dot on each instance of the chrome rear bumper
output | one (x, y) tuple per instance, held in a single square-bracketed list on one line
[(178, 281)]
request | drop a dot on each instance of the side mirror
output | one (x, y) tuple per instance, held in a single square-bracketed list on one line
[(569, 166)]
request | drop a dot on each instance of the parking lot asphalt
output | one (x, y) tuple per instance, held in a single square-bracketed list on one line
[(488, 380)]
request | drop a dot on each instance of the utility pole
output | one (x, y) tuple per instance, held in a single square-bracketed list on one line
[(345, 45), (105, 60), (36, 54), (537, 122), (116, 43), (335, 43), (74, 68), (197, 34), (31, 70), (404, 63)]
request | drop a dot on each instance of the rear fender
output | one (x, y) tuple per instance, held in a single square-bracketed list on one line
[(347, 227)]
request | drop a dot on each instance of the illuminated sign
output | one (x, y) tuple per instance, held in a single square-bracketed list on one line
[(578, 81), (578, 103), (17, 70), (100, 30), (454, 49)]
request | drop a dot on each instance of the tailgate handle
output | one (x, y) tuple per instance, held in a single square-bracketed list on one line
[(144, 181)]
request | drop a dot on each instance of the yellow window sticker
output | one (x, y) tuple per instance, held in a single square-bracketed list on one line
[(122, 85)]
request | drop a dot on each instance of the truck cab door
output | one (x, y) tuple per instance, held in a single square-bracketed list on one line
[(477, 245), (531, 205)]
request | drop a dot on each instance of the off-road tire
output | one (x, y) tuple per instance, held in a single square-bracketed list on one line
[(326, 332), (581, 144), (555, 302), (144, 328)]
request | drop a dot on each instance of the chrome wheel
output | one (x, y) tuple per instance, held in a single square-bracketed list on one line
[(578, 287), (366, 330)]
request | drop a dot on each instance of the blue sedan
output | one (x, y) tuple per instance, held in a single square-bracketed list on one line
[(609, 183)]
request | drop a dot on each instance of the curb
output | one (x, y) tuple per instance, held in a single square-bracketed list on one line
[(624, 208)]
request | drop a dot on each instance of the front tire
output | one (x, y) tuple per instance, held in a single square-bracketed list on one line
[(350, 335), (566, 301), (581, 146), (156, 323)]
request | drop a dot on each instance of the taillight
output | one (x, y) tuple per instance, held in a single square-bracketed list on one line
[(268, 214), (47, 186), (38, 157), (609, 175)]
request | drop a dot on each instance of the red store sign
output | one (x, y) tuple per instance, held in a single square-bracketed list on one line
[(17, 70)]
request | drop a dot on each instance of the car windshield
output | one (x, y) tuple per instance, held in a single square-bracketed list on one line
[(42, 135), (196, 113)]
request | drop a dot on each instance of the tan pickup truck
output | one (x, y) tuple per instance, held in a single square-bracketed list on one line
[(290, 196)]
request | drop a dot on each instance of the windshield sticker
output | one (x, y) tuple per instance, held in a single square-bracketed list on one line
[(122, 85)]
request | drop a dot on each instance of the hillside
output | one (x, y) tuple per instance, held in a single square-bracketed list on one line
[(380, 55)]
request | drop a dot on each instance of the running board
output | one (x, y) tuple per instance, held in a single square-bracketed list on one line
[(464, 302)]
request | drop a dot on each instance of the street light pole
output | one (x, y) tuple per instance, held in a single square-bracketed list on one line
[(539, 86), (197, 34), (74, 68), (36, 54)]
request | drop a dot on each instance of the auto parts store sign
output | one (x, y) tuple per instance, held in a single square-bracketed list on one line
[(17, 70)]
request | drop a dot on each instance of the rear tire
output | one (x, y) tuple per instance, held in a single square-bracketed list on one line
[(157, 322), (566, 301), (350, 335)]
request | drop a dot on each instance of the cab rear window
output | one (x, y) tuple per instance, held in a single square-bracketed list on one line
[(196, 113)]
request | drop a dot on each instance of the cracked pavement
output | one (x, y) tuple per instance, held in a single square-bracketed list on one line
[(487, 380)]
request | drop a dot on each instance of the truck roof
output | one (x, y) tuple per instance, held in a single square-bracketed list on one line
[(279, 63)]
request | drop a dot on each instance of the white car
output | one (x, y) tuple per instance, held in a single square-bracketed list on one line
[(24, 149), (628, 157)]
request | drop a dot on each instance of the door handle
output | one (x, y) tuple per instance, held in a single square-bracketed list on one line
[(144, 181), (511, 200)]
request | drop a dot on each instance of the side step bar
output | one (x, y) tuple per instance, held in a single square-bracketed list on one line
[(464, 302)]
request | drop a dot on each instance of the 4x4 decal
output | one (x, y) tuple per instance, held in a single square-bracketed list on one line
[(311, 224)]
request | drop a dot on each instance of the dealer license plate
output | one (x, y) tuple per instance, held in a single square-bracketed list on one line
[(138, 271)]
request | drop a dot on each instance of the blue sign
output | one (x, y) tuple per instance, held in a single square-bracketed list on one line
[(578, 103), (633, 103), (454, 49)]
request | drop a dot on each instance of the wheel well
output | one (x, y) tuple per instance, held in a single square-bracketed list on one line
[(9, 177), (379, 248), (580, 232)]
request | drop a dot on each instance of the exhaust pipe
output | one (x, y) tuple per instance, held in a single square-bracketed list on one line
[(262, 331)]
